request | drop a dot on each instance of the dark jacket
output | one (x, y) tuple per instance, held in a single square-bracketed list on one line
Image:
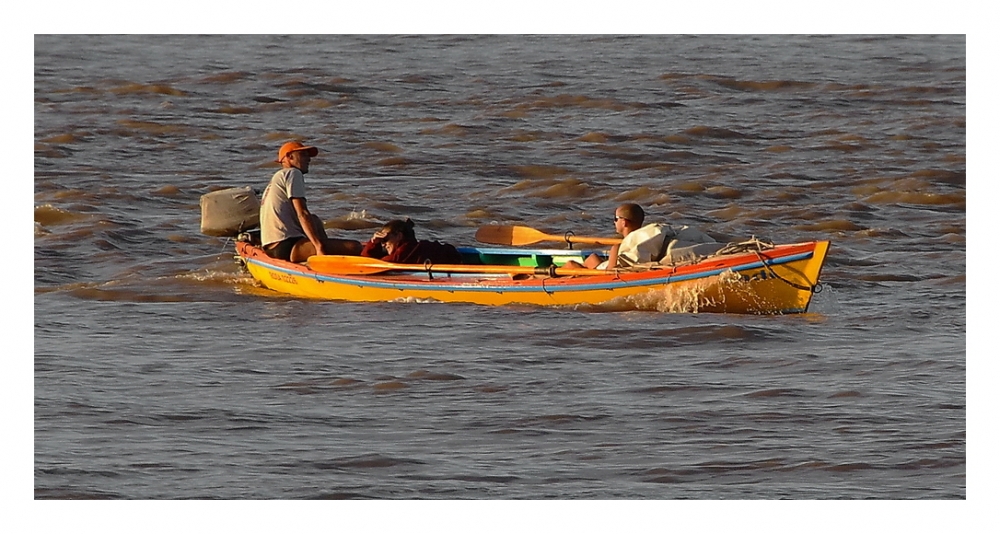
[(414, 252)]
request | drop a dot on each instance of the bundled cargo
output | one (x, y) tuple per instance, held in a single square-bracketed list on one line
[(227, 212)]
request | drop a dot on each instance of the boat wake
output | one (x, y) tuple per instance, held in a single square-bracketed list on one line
[(705, 295)]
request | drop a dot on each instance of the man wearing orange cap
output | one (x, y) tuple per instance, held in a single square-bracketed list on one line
[(288, 231)]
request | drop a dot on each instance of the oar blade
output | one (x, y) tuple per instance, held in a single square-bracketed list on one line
[(511, 235), (495, 235), (349, 265)]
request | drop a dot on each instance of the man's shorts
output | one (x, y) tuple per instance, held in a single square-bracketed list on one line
[(282, 250)]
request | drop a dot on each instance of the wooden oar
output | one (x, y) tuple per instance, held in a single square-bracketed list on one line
[(331, 264), (523, 235)]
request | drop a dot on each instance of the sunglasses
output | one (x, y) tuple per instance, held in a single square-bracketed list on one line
[(617, 218)]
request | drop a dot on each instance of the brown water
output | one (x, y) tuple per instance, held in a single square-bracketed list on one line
[(163, 372)]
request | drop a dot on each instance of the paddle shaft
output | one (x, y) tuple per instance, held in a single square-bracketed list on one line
[(330, 264)]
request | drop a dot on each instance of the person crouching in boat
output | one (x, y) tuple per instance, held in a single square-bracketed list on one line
[(397, 243), (288, 230), (628, 219)]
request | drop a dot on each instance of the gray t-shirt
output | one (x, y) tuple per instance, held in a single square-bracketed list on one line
[(278, 219)]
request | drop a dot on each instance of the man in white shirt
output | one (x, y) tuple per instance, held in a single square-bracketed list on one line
[(628, 218), (288, 231)]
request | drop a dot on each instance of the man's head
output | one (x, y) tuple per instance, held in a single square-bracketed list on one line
[(295, 154), (629, 217)]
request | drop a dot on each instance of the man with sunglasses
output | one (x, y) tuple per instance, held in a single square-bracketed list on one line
[(656, 242), (628, 218)]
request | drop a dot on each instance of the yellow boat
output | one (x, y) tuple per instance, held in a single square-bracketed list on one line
[(746, 278)]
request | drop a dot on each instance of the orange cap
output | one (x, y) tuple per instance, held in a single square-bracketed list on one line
[(295, 146)]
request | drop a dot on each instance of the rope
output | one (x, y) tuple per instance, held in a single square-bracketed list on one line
[(757, 246), (779, 277), (752, 245)]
